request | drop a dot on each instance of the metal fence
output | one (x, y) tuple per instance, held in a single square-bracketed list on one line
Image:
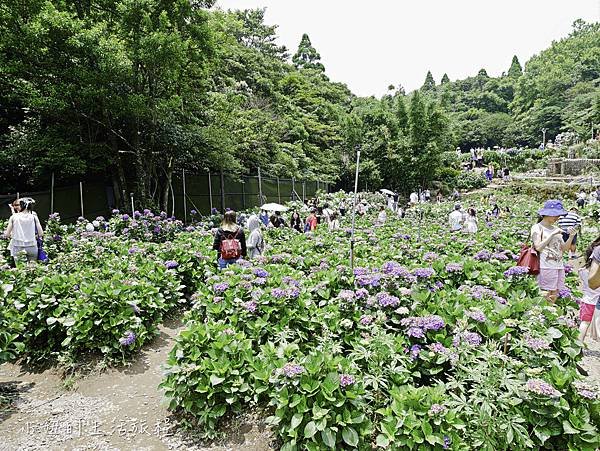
[(200, 192)]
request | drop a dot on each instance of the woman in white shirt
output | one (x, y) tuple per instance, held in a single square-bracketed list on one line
[(548, 241), (471, 221), (334, 223), (22, 229)]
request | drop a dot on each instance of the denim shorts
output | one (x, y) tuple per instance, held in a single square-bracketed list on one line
[(225, 263)]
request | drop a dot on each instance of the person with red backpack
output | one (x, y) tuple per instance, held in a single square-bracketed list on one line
[(230, 241)]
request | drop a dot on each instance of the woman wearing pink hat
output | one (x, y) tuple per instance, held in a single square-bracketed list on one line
[(548, 241)]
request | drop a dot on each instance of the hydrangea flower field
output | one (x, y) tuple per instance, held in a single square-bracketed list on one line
[(434, 340)]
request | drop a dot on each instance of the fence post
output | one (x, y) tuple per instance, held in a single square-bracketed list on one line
[(222, 192), (243, 193), (81, 196), (278, 193), (317, 184), (303, 191), (132, 205), (210, 192), (184, 200), (260, 195), (52, 194)]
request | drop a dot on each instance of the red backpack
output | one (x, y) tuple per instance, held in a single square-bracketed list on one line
[(230, 246)]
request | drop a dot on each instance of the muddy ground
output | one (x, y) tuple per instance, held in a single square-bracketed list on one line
[(113, 409)]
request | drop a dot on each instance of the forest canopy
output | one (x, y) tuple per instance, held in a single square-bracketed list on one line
[(131, 91)]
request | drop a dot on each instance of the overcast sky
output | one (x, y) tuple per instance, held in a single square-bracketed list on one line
[(371, 44)]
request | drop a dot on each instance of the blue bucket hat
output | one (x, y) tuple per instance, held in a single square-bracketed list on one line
[(553, 208)]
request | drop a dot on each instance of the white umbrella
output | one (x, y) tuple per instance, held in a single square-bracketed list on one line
[(273, 207), (387, 191)]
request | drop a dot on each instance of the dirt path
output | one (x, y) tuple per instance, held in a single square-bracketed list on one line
[(117, 409)]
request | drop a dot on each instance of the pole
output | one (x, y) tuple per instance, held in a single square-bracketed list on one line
[(303, 191), (132, 204), (544, 138), (278, 192), (243, 194), (293, 188), (354, 211), (52, 194), (222, 192), (260, 195), (81, 196), (210, 192), (184, 200)]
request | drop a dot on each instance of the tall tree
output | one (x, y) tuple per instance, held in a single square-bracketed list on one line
[(307, 56), (429, 85), (515, 70), (445, 79)]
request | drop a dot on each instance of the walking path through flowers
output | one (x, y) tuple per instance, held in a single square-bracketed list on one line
[(120, 409), (117, 409)]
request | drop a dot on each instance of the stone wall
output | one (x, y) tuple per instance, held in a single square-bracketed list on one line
[(575, 166)]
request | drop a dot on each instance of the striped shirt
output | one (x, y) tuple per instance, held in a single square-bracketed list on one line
[(569, 221)]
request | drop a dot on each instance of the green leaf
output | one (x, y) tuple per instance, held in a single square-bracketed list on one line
[(296, 420), (328, 437), (51, 320), (216, 380), (382, 441), (568, 429), (310, 429), (350, 436)]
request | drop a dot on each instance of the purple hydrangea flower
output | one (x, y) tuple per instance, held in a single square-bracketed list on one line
[(220, 287), (361, 293), (430, 322), (536, 344), (447, 442), (482, 255), (477, 315), (292, 292), (454, 267), (251, 306), (365, 320), (415, 332), (438, 348), (259, 281), (472, 338), (171, 264), (568, 269), (516, 271), (346, 380), (291, 370), (346, 295), (587, 393), (387, 300), (259, 272), (127, 339), (291, 281), (430, 256), (436, 408), (125, 217), (193, 212), (214, 211), (565, 293), (278, 293), (415, 350), (500, 256), (115, 211), (541, 387), (360, 271), (423, 273)]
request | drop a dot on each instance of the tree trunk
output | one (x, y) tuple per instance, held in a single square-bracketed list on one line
[(164, 204)]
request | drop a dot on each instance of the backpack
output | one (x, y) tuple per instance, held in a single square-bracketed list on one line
[(230, 246)]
